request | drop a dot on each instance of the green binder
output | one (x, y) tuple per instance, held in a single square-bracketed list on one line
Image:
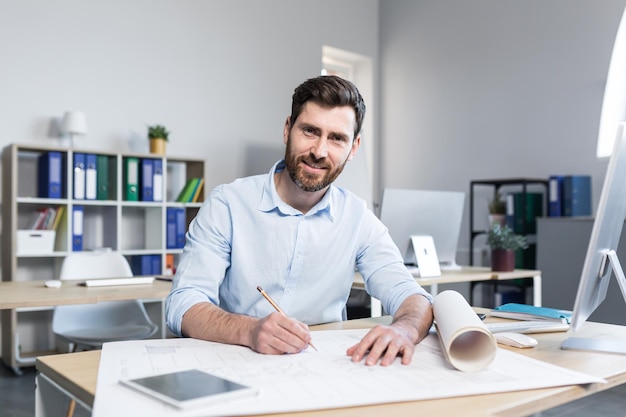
[(102, 169), (131, 179)]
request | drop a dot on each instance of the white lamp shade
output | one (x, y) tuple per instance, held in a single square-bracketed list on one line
[(74, 122)]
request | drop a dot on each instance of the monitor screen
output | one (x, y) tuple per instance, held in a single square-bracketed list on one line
[(601, 259), (438, 214)]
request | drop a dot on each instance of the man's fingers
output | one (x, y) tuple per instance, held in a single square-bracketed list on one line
[(384, 344)]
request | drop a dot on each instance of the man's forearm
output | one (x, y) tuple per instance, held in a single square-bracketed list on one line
[(416, 315), (207, 321)]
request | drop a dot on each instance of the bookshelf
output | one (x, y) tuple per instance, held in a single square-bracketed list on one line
[(134, 228), (524, 224)]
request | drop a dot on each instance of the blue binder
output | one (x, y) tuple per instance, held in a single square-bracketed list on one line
[(156, 264), (170, 228), (77, 228), (141, 265), (157, 180), (181, 227), (577, 195), (79, 176), (555, 196), (147, 173), (91, 177), (49, 175)]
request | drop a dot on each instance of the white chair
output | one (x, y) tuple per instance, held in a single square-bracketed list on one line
[(91, 325)]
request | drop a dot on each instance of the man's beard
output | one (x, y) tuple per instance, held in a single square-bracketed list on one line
[(306, 182)]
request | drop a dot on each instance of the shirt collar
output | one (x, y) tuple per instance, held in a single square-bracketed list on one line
[(270, 200)]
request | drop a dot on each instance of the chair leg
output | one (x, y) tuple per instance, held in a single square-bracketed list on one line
[(70, 408)]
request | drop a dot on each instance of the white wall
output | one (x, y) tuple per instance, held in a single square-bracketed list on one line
[(218, 74), (468, 89), (487, 89)]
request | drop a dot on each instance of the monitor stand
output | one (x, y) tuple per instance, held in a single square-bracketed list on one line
[(602, 345)]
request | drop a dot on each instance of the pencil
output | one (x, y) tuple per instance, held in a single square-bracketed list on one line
[(276, 307)]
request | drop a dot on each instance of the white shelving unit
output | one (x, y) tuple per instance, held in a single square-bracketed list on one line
[(130, 227)]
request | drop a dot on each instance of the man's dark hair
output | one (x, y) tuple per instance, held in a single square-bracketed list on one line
[(328, 91)]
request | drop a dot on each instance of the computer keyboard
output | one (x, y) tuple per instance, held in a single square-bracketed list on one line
[(527, 326), (117, 281)]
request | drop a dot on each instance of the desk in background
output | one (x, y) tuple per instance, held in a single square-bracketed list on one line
[(75, 374), (34, 294), (465, 274)]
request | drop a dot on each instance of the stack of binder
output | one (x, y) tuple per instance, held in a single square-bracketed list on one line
[(143, 179), (569, 195), (176, 228), (146, 264), (91, 176)]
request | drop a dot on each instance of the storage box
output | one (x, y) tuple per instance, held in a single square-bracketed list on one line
[(35, 241)]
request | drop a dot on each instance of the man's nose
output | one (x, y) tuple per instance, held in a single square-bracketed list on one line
[(320, 148)]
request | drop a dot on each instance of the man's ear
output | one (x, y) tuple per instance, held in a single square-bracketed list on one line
[(286, 130), (355, 146)]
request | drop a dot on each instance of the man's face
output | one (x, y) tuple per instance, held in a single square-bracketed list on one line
[(319, 143)]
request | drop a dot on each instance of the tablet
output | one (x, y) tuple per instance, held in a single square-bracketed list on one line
[(185, 389)]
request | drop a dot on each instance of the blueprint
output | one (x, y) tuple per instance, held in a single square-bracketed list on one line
[(326, 378)]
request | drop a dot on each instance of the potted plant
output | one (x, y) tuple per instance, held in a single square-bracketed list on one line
[(158, 135), (497, 210), (504, 242)]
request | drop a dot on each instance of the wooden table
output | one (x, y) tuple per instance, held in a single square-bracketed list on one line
[(465, 274), (34, 294), (76, 375), (27, 294)]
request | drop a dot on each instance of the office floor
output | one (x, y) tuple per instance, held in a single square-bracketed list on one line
[(17, 399)]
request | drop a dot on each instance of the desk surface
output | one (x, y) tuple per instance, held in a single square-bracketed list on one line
[(21, 294), (465, 274), (77, 373)]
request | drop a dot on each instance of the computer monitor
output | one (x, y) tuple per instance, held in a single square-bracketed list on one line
[(601, 260), (438, 214)]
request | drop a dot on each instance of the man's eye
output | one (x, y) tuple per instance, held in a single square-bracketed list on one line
[(308, 131)]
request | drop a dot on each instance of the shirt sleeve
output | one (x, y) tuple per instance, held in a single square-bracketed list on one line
[(203, 263), (380, 263)]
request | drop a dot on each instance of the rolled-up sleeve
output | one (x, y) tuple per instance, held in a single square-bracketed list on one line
[(203, 263)]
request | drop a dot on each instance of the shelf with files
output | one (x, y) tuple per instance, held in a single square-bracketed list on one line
[(96, 209), (520, 189)]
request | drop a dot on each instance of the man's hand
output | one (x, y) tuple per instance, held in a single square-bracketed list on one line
[(384, 343), (410, 325), (278, 334), (274, 334)]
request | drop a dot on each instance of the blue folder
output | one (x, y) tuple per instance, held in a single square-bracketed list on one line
[(49, 175), (555, 196), (146, 177), (170, 228), (77, 228)]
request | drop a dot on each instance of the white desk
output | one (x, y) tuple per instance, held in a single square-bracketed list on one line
[(465, 274)]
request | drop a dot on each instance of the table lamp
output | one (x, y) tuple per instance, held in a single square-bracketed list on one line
[(74, 123)]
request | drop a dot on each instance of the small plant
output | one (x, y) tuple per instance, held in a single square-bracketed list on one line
[(497, 205), (158, 131), (503, 237)]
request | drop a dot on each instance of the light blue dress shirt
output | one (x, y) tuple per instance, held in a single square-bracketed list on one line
[(245, 236)]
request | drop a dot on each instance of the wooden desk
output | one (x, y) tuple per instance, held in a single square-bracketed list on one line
[(465, 274), (27, 294), (76, 374), (34, 294)]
